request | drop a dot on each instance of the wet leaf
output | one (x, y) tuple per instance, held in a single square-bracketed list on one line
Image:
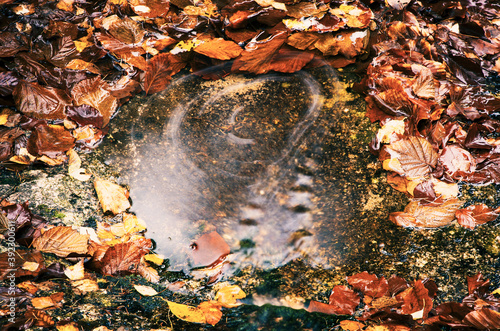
[(398, 4), (95, 92), (145, 290), (150, 274), (423, 86), (72, 326), (344, 300), (154, 258), (43, 302), (290, 61), (228, 295), (475, 215), (257, 56), (209, 249), (11, 43), (457, 161), (127, 31), (159, 73), (22, 256), (483, 319), (416, 155), (150, 8), (348, 325), (427, 216), (77, 64), (212, 312), (62, 241), (124, 258), (369, 284), (50, 140), (112, 197), (40, 102), (187, 313), (219, 49), (84, 286), (416, 299), (355, 16)]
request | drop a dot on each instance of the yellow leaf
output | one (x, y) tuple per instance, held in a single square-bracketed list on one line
[(390, 128), (348, 325), (30, 266), (61, 240), (133, 223), (145, 290), (112, 196), (154, 258), (42, 302), (85, 285), (497, 291), (66, 5), (68, 327), (118, 229), (75, 272), (228, 295), (187, 313)]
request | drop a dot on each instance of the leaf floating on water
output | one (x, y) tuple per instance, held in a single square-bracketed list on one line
[(209, 249), (112, 196), (416, 155), (475, 215), (62, 241)]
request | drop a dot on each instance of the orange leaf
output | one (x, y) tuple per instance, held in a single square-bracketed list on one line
[(219, 49), (427, 216), (124, 258), (475, 215), (159, 72), (212, 312)]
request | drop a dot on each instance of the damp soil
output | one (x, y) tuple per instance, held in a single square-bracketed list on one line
[(279, 166)]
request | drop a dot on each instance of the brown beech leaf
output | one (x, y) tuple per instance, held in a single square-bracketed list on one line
[(475, 215), (457, 161), (112, 196), (423, 86), (321, 307), (127, 31), (415, 299), (50, 140), (11, 43), (160, 70), (77, 64), (289, 60), (212, 312), (95, 92), (369, 284), (348, 325), (344, 300), (219, 48), (150, 8), (304, 40), (116, 46), (22, 257), (427, 216), (40, 102), (483, 319), (416, 155), (62, 241), (8, 81), (124, 258), (257, 56)]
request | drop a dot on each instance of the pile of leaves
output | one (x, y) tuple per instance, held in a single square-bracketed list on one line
[(66, 66), (395, 304), (427, 88)]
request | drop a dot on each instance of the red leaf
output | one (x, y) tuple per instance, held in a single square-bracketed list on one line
[(477, 283), (290, 61), (257, 56), (21, 257), (475, 215), (40, 102), (484, 319), (415, 299), (344, 300), (369, 284)]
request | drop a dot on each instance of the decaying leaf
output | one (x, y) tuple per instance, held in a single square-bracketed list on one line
[(74, 167), (62, 241), (344, 300), (75, 272), (427, 216), (112, 197), (123, 258), (416, 156), (475, 215)]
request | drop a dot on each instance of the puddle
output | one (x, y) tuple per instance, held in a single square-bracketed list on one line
[(279, 166)]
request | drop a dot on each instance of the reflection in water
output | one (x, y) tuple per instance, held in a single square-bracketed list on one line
[(232, 155)]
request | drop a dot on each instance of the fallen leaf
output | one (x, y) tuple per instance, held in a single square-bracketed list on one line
[(187, 313), (427, 216), (150, 8), (77, 64), (415, 299), (159, 72), (484, 319), (219, 48), (348, 325), (145, 290), (62, 241), (228, 295), (43, 302), (154, 258), (85, 285), (112, 197), (475, 215), (416, 155), (75, 167), (72, 326), (30, 266), (212, 312), (150, 274), (124, 258), (344, 300), (75, 272), (369, 284)]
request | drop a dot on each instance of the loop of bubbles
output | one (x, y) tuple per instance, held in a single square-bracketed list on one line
[(232, 155)]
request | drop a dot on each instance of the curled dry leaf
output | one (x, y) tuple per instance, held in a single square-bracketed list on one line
[(112, 196), (475, 215), (75, 167), (427, 216), (62, 241), (416, 156)]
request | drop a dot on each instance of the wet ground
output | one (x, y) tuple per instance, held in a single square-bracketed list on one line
[(279, 166)]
